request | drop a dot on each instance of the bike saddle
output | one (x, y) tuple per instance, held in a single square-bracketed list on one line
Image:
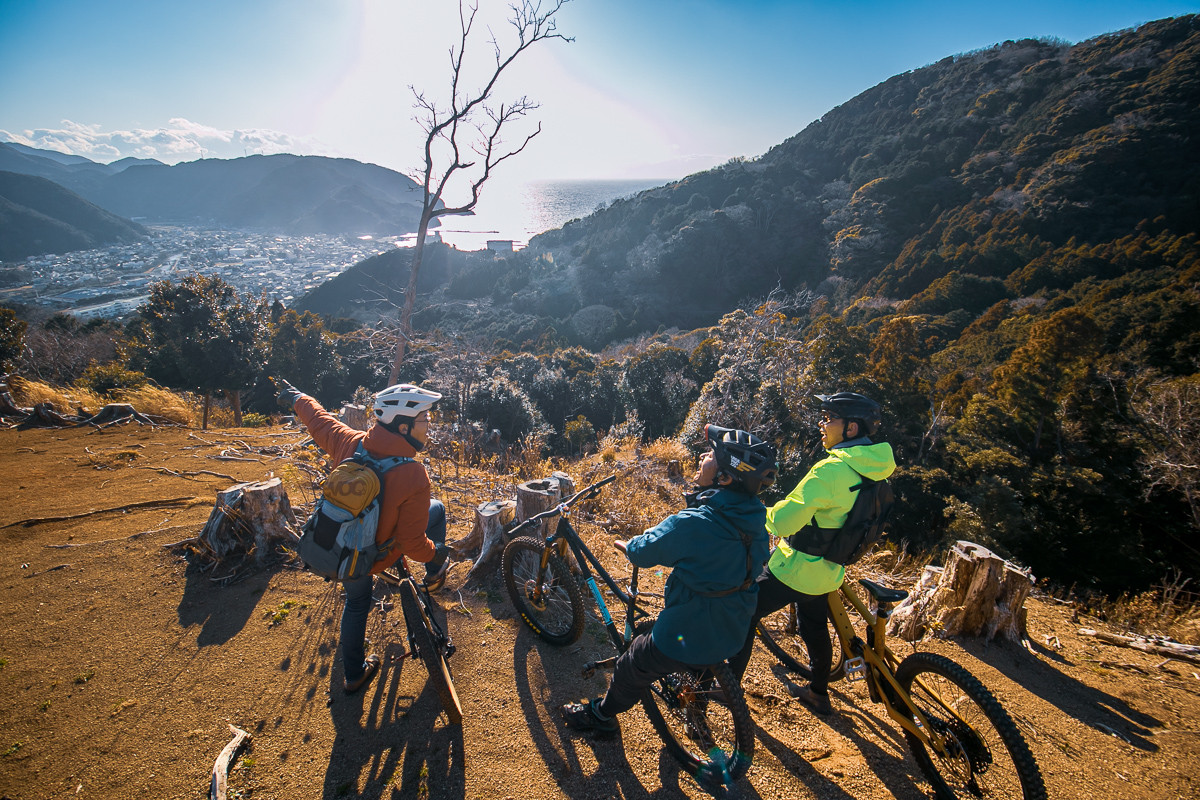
[(882, 593)]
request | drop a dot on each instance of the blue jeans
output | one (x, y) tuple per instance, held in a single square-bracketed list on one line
[(358, 602)]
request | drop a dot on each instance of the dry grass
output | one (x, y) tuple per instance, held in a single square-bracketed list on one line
[(64, 400), (1161, 611), (149, 400), (158, 403)]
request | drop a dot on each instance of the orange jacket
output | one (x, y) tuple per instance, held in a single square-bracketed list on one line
[(404, 507)]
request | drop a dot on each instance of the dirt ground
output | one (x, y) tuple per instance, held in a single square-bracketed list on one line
[(121, 668)]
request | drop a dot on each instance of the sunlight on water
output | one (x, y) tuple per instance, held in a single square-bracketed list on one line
[(517, 212)]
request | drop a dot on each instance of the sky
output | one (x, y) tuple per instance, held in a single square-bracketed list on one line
[(647, 88)]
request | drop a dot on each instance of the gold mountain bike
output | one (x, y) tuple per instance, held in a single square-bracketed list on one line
[(963, 740)]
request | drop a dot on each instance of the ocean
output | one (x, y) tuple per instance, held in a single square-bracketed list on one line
[(519, 211)]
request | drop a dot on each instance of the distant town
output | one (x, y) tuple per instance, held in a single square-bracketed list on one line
[(112, 282)]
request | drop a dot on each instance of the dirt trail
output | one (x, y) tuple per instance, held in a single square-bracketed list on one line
[(121, 670)]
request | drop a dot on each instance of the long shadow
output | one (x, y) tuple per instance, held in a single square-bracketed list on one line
[(615, 778), (852, 722), (221, 609), (389, 743), (1092, 707)]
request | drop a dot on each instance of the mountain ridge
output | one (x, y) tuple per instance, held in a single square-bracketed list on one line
[(297, 195)]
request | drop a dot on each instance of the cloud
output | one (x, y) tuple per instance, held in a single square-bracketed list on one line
[(180, 140)]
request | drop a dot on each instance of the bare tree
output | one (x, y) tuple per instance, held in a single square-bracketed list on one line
[(463, 141)]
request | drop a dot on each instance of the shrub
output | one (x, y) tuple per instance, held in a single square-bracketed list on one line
[(104, 379)]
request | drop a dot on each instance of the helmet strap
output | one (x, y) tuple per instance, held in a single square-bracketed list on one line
[(394, 427)]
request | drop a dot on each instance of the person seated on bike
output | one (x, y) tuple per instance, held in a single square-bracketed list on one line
[(714, 546), (410, 521), (823, 498)]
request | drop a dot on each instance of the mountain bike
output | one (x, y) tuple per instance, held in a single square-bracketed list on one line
[(963, 740), (427, 639), (700, 714)]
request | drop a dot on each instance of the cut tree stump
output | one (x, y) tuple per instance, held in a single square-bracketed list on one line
[(534, 497), (248, 518), (977, 593), (492, 521), (355, 416)]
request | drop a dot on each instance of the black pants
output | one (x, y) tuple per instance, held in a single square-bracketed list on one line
[(813, 618), (638, 667)]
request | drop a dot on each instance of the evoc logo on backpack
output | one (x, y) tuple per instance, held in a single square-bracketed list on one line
[(865, 525), (338, 540)]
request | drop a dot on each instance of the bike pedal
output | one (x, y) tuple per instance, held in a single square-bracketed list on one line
[(856, 669)]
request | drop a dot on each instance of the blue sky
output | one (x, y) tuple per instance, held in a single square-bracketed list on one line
[(655, 89)]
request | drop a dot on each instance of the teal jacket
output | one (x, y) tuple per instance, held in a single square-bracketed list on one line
[(823, 496), (704, 547)]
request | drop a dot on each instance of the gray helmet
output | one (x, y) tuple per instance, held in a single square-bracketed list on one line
[(853, 407), (743, 456)]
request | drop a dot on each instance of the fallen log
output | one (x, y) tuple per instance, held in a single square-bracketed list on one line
[(977, 593), (220, 773), (1148, 644)]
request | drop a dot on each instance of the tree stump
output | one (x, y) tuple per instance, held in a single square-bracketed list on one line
[(492, 520), (534, 497), (977, 593), (355, 416), (117, 412), (248, 518), (566, 486), (44, 416)]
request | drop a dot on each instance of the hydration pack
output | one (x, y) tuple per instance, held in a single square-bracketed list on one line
[(865, 525), (338, 540)]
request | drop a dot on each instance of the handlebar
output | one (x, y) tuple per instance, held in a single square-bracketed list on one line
[(582, 494)]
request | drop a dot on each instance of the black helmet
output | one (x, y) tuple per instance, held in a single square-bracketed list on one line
[(853, 407), (743, 457)]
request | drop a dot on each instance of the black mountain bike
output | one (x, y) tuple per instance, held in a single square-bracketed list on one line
[(427, 639), (701, 714)]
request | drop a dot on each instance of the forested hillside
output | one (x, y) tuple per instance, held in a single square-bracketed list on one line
[(39, 216), (1001, 247)]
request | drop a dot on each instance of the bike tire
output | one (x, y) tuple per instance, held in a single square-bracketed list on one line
[(425, 642), (987, 757), (549, 602), (702, 717), (779, 634)]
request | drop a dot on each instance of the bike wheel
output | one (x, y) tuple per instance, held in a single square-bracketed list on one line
[(986, 754), (780, 634), (548, 601), (428, 642), (703, 718)]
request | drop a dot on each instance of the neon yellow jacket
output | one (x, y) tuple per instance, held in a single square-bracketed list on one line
[(823, 497)]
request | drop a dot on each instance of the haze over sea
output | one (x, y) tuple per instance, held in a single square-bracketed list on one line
[(521, 210)]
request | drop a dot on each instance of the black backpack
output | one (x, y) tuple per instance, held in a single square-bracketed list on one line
[(865, 525)]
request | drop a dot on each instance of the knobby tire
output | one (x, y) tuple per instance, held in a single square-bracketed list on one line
[(422, 639), (703, 718), (549, 602), (987, 757)]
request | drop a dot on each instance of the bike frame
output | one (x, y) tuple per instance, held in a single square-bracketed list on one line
[(875, 662), (566, 537)]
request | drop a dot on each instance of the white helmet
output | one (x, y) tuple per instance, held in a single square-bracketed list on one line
[(404, 401)]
